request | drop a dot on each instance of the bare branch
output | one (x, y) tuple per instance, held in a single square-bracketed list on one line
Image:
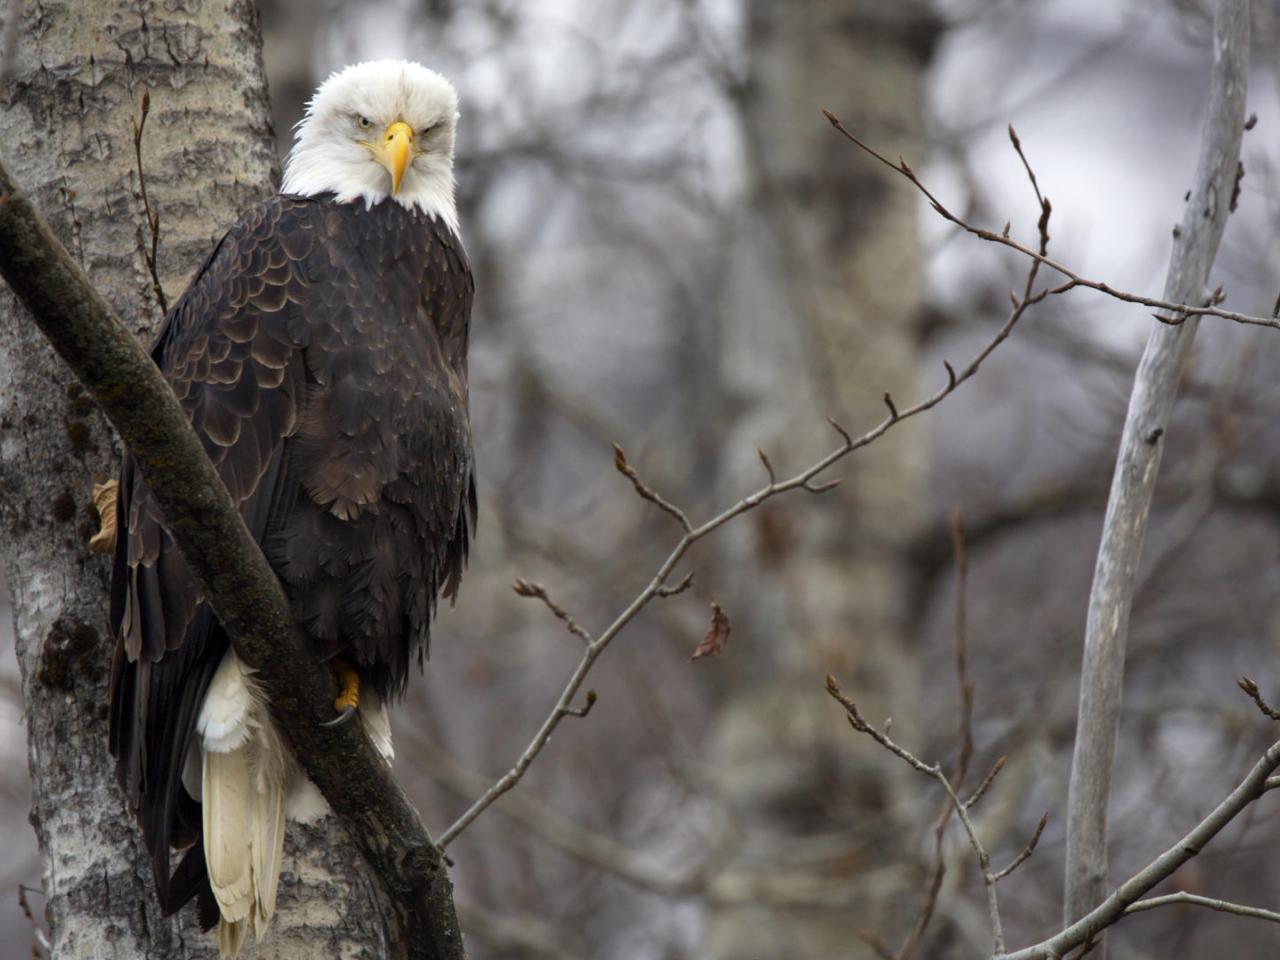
[(935, 771), (1161, 868), (1027, 851), (1138, 465), (149, 253), (937, 865), (680, 587), (812, 487), (844, 434), (583, 710), (1251, 690), (859, 723), (646, 492), (768, 467), (985, 785), (804, 480), (1223, 906), (536, 591), (1179, 308), (41, 940), (961, 560)]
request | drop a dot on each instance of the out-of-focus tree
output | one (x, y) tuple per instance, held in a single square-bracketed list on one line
[(820, 317)]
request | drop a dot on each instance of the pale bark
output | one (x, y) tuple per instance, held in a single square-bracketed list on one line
[(74, 85), (1138, 465), (820, 321)]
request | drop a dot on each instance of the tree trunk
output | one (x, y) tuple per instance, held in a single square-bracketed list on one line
[(72, 91), (823, 314)]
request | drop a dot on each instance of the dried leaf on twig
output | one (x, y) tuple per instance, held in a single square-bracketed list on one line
[(717, 634)]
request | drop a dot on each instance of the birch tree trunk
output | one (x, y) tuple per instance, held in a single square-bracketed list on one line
[(72, 90), (821, 323)]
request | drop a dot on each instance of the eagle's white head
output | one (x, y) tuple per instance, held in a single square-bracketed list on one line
[(376, 130)]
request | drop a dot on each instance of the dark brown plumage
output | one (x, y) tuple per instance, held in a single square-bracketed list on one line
[(321, 355)]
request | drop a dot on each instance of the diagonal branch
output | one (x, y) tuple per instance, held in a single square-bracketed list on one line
[(235, 576), (658, 586), (1161, 868)]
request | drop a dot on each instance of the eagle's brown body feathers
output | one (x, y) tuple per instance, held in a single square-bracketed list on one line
[(321, 356)]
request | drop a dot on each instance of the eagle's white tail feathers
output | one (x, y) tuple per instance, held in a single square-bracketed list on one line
[(242, 795), (377, 723), (248, 781), (230, 937), (226, 831), (267, 829)]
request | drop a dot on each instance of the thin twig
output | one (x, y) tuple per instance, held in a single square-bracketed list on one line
[(986, 783), (935, 771), (685, 583), (1251, 690), (42, 941), (153, 219), (965, 685), (1179, 310), (645, 491), (768, 467), (804, 480), (536, 591), (583, 710), (937, 864), (1027, 851), (859, 723), (1222, 906)]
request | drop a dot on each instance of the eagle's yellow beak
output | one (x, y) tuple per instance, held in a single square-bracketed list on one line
[(396, 151)]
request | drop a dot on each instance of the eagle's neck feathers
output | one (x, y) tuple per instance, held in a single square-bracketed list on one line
[(311, 170)]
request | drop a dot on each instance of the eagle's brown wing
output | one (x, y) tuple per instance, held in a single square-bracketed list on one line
[(232, 349), (321, 356)]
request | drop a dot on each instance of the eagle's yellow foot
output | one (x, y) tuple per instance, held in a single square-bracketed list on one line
[(349, 699)]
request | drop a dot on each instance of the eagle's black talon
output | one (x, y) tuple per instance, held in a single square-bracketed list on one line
[(340, 719)]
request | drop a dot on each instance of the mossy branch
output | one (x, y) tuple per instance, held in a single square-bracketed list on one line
[(239, 583)]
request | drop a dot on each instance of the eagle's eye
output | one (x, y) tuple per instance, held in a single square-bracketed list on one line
[(364, 123), (427, 129)]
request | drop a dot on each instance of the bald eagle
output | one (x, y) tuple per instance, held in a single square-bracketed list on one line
[(321, 354)]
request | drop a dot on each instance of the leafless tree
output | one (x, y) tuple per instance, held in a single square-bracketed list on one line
[(679, 255)]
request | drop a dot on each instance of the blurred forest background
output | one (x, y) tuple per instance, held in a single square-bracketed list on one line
[(674, 251)]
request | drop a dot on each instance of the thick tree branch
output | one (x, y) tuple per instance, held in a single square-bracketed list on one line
[(1138, 464), (233, 572), (1125, 897)]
